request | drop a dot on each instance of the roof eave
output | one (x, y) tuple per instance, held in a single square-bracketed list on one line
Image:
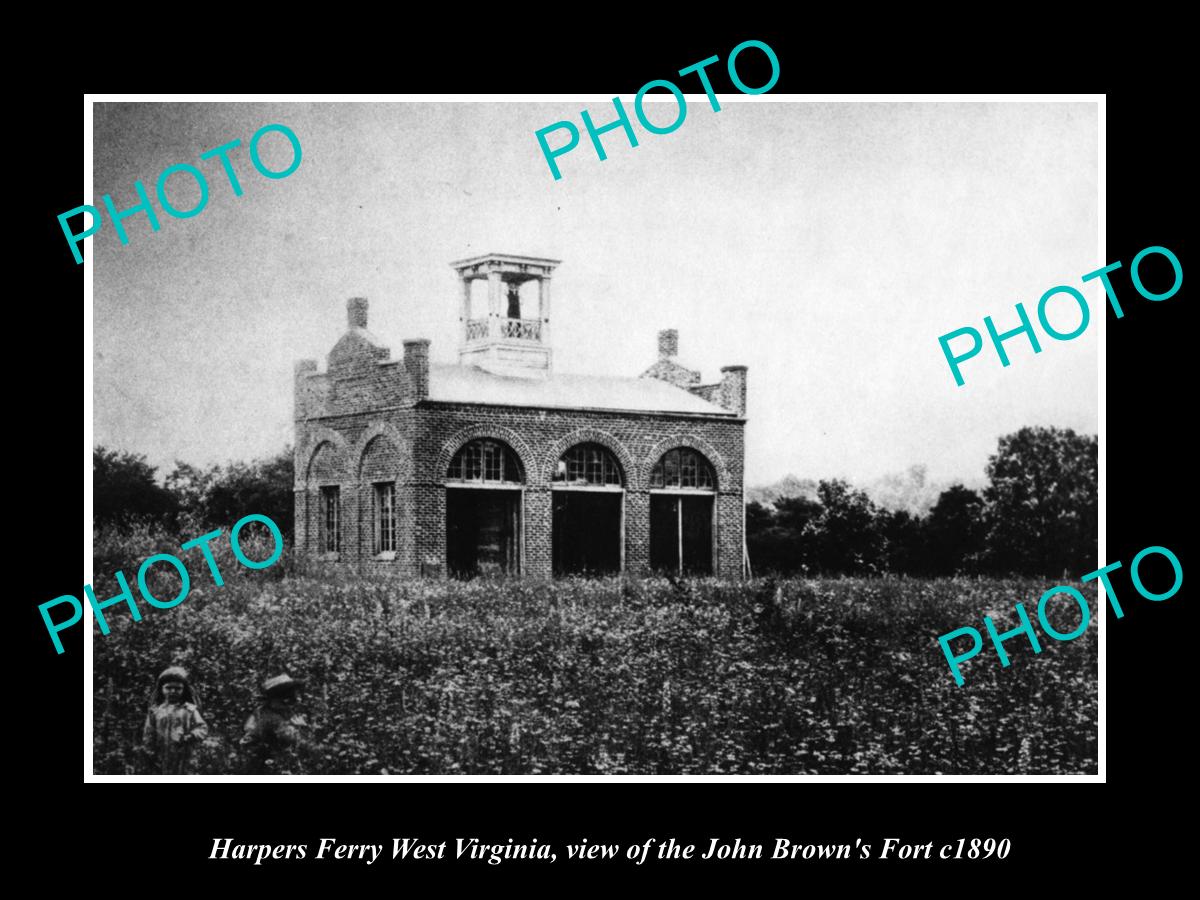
[(718, 416), (512, 257)]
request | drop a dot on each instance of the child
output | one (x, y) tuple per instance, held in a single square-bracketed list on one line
[(173, 725), (275, 732)]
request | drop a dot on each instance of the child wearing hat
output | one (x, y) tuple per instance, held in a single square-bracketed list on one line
[(275, 736), (173, 725)]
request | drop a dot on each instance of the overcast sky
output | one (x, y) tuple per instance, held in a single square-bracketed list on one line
[(825, 246)]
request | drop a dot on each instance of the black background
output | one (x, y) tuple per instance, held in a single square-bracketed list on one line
[(128, 830)]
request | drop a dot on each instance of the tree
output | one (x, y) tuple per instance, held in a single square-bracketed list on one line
[(849, 537), (1041, 502), (797, 514), (783, 540), (903, 541), (124, 490), (191, 485), (264, 486), (955, 530), (772, 547), (758, 517)]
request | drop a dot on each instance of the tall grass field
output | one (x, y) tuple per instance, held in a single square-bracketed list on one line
[(618, 676)]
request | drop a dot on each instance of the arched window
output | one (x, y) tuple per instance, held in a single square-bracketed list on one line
[(683, 491), (683, 469), (486, 462), (326, 471), (484, 499), (378, 472), (588, 464), (588, 524)]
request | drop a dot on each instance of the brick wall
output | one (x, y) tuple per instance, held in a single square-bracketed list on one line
[(364, 422), (414, 446)]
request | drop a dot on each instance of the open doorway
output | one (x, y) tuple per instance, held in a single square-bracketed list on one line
[(483, 510), (682, 497), (483, 532), (587, 533), (588, 525), (681, 533)]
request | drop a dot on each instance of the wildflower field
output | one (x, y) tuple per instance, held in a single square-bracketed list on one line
[(613, 676)]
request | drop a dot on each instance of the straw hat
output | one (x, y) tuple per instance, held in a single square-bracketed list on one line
[(173, 673), (280, 684)]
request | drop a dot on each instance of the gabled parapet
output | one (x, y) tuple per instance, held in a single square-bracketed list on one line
[(360, 373), (356, 349), (668, 368), (728, 393)]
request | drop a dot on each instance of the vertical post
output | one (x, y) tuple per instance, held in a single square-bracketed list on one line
[(714, 549), (544, 306), (464, 315), (679, 512), (494, 286), (622, 555), (747, 568)]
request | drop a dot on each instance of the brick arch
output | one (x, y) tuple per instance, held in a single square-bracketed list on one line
[(495, 432), (393, 435), (695, 443), (314, 439), (592, 436)]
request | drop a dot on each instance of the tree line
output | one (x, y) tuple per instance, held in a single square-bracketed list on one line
[(1036, 516), (126, 493)]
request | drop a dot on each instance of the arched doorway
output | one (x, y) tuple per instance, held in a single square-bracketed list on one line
[(588, 529), (483, 510), (683, 488)]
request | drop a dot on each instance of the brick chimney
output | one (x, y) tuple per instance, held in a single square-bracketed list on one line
[(416, 364), (304, 368), (732, 391), (668, 344), (356, 312)]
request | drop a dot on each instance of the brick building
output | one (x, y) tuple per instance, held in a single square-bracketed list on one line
[(498, 465)]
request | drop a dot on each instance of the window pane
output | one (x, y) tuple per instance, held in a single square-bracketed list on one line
[(492, 462), (588, 464), (685, 469), (391, 517), (483, 460), (671, 469), (385, 517), (330, 539)]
